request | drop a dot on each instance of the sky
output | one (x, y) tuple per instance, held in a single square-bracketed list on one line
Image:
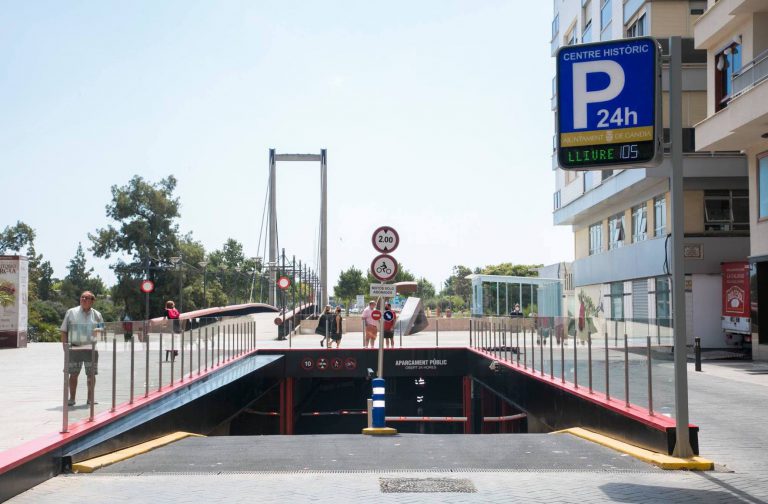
[(435, 115)]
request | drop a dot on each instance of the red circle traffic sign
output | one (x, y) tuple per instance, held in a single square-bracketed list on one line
[(147, 286), (283, 282), (385, 239), (384, 267), (376, 314)]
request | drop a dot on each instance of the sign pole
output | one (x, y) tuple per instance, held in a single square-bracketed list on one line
[(380, 370), (682, 436)]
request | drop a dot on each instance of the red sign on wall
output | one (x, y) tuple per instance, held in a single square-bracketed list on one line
[(735, 289)]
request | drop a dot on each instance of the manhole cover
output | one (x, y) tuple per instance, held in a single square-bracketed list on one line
[(426, 485)]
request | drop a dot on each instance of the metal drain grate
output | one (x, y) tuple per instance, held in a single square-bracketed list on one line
[(426, 485)]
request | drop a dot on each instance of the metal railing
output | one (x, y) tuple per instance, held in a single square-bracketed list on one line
[(143, 359), (750, 75), (627, 361)]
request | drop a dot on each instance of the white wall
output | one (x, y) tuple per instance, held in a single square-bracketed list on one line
[(706, 311)]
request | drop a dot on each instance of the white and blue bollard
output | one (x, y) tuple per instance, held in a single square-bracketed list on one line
[(379, 417), (378, 424)]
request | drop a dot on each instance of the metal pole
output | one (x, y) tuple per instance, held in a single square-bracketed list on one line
[(114, 373), (323, 227), (575, 356), (65, 402), (199, 348), (160, 364), (272, 228), (206, 349), (607, 373), (146, 365), (92, 398), (626, 368), (682, 436), (650, 378), (589, 358), (181, 351), (130, 400), (551, 359), (437, 333)]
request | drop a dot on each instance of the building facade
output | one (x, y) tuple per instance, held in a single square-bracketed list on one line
[(734, 34), (621, 219)]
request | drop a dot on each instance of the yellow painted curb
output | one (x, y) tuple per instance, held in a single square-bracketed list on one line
[(88, 466), (659, 459), (379, 431)]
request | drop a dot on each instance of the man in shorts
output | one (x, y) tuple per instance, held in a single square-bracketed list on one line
[(371, 328), (389, 328), (80, 328)]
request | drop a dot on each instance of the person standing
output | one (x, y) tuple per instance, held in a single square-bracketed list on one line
[(324, 325), (336, 328), (389, 328), (371, 329), (171, 313), (80, 329)]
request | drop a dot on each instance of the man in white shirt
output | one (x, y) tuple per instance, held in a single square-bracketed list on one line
[(371, 326), (79, 330)]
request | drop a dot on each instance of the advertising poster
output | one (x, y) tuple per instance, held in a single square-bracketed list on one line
[(14, 310), (735, 289)]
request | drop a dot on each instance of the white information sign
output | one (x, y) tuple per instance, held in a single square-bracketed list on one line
[(383, 290)]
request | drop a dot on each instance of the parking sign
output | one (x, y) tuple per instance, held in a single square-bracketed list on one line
[(609, 105)]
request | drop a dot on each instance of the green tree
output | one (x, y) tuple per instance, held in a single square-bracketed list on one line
[(14, 238), (458, 285), (509, 269), (146, 233), (79, 279), (351, 283), (424, 289)]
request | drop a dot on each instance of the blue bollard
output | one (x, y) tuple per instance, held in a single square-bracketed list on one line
[(379, 417)]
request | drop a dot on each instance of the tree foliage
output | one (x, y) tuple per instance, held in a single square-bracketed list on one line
[(509, 269), (351, 283), (424, 289), (458, 285)]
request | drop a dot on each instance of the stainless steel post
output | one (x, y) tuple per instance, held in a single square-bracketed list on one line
[(525, 349), (218, 345), (65, 401), (191, 351), (146, 364), (206, 349), (650, 378), (533, 352), (199, 350), (437, 333), (181, 353), (551, 358), (626, 368), (575, 356), (607, 371), (541, 354), (517, 345), (173, 355), (114, 373), (130, 397), (92, 379), (160, 364), (562, 353), (589, 358), (400, 325), (471, 323)]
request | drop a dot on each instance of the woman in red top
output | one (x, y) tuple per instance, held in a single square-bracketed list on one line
[(171, 313)]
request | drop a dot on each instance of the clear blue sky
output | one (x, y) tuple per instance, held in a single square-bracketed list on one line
[(436, 116)]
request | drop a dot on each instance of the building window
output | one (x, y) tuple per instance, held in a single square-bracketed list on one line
[(555, 26), (762, 186), (727, 64), (639, 27), (639, 223), (596, 238), (659, 216), (616, 231), (586, 16), (617, 300), (570, 37), (605, 14), (726, 210), (663, 310)]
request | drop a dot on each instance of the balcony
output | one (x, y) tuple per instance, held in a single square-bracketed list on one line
[(723, 17), (743, 121)]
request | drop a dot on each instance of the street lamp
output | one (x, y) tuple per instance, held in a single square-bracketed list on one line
[(204, 264), (176, 261)]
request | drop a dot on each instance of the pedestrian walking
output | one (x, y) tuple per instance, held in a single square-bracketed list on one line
[(389, 328), (336, 328), (324, 325)]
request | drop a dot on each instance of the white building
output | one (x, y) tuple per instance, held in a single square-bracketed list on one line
[(734, 34), (620, 219)]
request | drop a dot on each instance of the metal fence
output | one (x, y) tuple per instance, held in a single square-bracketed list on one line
[(626, 361), (108, 365)]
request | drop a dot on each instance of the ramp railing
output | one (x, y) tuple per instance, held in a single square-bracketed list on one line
[(630, 361), (110, 365)]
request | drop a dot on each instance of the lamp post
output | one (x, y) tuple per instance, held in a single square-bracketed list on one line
[(204, 264), (176, 261), (238, 269)]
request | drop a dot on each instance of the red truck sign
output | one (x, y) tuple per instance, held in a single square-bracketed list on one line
[(735, 289)]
